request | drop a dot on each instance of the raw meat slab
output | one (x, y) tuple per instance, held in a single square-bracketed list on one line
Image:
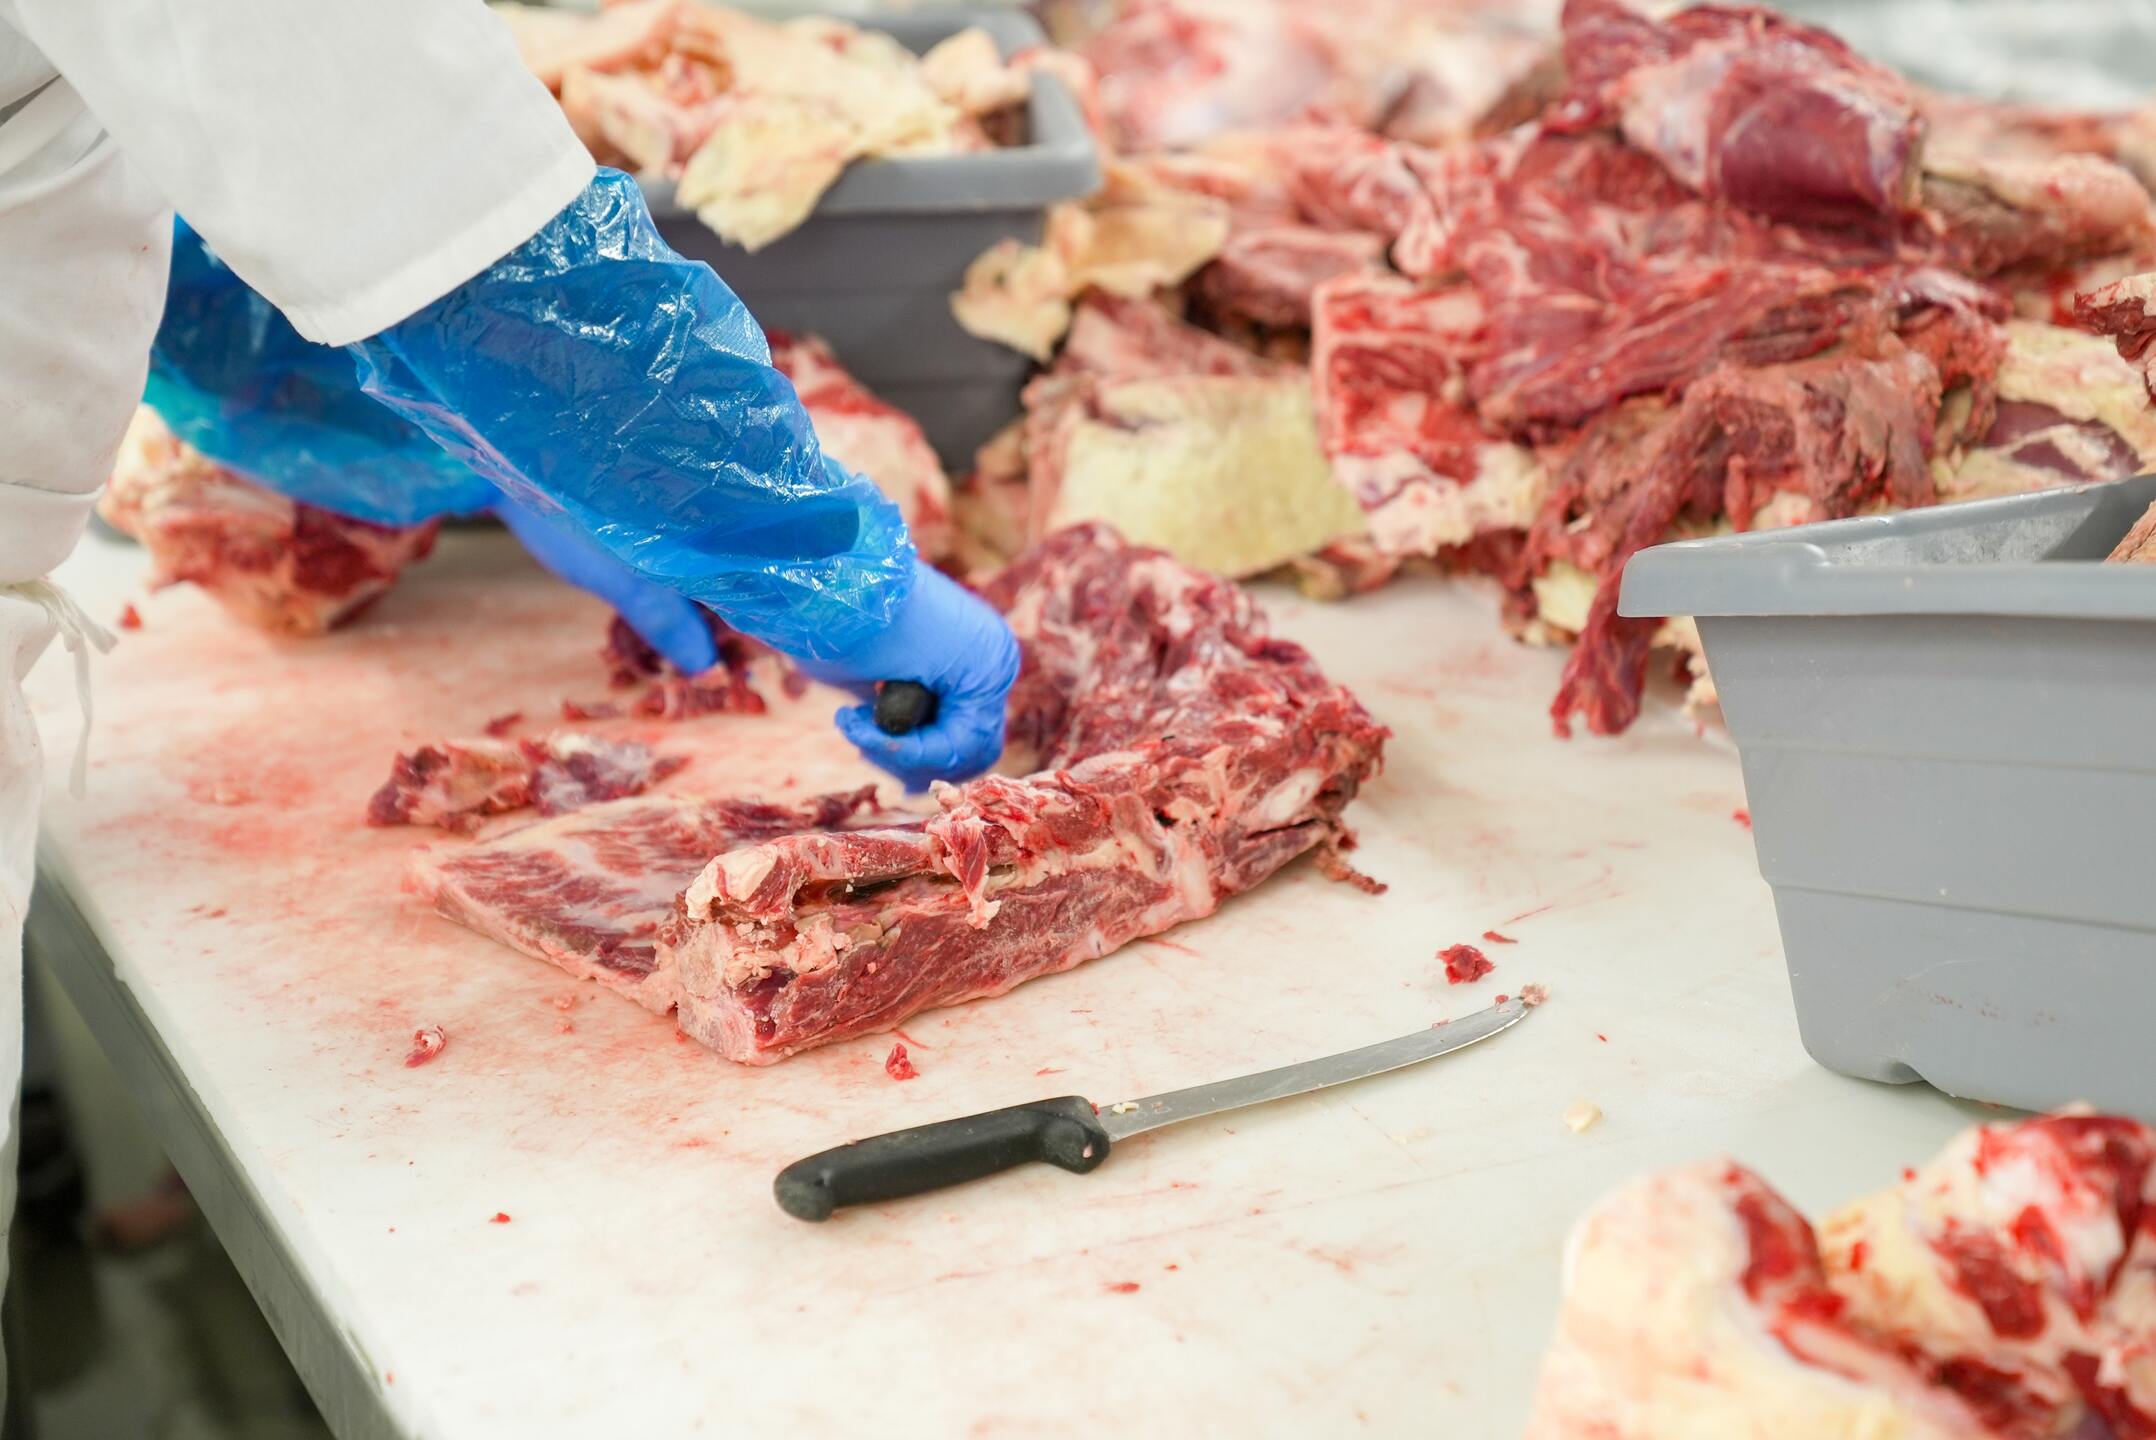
[(588, 891), (1182, 756)]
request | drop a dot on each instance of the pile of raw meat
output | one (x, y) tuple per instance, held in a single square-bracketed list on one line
[(754, 120), (1168, 753), (1654, 278), (295, 569), (2006, 1291)]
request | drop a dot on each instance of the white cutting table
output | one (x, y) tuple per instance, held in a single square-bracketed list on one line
[(1383, 1256)]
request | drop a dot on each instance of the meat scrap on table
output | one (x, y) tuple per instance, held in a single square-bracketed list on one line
[(2001, 1292), (1178, 754), (1554, 302), (456, 784)]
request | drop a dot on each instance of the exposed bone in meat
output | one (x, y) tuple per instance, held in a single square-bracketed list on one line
[(280, 565)]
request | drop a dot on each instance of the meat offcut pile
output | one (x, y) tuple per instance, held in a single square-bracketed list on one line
[(755, 119), (1665, 277), (2006, 1291), (1177, 755)]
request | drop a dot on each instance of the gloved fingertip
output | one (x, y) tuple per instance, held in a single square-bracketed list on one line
[(858, 724), (689, 645), (673, 625)]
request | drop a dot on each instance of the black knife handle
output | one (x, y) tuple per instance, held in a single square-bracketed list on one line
[(1062, 1132), (904, 706)]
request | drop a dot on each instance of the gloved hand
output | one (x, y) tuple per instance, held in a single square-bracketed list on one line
[(948, 640), (626, 393), (670, 622)]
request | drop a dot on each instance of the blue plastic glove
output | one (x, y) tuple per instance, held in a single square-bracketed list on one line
[(231, 377), (949, 640), (595, 374), (670, 622)]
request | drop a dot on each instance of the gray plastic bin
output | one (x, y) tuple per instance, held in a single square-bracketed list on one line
[(1948, 726), (873, 269)]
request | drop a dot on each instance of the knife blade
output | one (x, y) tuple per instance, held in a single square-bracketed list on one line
[(1073, 1133)]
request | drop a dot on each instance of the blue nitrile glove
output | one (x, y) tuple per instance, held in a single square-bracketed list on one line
[(670, 622), (231, 377), (950, 641), (623, 391)]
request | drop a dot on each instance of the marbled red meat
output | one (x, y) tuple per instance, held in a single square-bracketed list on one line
[(589, 891), (1743, 105), (1843, 430), (1717, 200), (456, 784), (1179, 755)]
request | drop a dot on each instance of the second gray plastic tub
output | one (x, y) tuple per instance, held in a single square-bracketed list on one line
[(873, 269), (1947, 720)]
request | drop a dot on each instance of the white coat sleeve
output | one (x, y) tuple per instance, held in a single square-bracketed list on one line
[(353, 160)]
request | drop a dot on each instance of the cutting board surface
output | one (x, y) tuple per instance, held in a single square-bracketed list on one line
[(1384, 1256)]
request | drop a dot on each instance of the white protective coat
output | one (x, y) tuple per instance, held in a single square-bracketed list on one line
[(353, 160)]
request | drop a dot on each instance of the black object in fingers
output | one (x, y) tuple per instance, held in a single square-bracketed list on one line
[(903, 706)]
